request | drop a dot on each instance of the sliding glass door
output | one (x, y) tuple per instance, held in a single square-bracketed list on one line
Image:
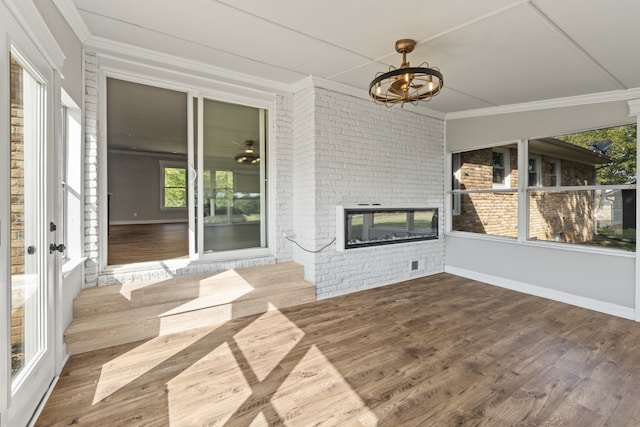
[(231, 165), (185, 174)]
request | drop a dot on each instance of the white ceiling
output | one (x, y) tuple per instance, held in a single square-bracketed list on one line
[(491, 52)]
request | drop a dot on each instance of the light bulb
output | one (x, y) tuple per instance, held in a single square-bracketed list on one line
[(431, 85)]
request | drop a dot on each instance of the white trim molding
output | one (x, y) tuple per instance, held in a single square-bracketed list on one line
[(106, 47), (634, 110), (73, 18), (576, 300), (634, 107), (570, 101), (29, 18)]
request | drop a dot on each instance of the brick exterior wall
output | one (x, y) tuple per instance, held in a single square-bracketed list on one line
[(487, 213), (17, 202), (17, 171), (565, 216)]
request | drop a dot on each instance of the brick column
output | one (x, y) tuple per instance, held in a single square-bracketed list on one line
[(91, 204)]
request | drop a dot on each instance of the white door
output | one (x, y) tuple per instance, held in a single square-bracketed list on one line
[(32, 265)]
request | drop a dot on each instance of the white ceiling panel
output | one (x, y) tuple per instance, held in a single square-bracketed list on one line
[(611, 36), (369, 27), (227, 29), (512, 57), (491, 52), (152, 40)]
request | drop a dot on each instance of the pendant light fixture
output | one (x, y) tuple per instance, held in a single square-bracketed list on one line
[(406, 84)]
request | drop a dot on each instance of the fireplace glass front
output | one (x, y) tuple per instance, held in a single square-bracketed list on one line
[(383, 226)]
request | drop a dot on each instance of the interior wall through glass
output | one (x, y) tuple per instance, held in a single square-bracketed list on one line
[(232, 176)]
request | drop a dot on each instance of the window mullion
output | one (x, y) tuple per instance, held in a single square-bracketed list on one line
[(523, 194)]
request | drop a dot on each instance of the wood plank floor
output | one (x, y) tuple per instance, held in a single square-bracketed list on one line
[(435, 351), (147, 242)]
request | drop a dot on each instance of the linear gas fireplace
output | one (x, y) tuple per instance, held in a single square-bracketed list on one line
[(373, 225)]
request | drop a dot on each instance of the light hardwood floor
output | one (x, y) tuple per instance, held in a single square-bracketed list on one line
[(435, 351)]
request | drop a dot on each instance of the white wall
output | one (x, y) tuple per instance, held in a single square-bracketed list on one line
[(351, 151), (600, 280), (596, 281)]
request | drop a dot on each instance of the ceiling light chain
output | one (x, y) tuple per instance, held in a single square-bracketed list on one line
[(406, 84)]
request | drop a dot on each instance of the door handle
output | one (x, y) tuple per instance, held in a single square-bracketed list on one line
[(53, 247), (31, 250)]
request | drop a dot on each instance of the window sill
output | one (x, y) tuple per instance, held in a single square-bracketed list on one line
[(71, 265)]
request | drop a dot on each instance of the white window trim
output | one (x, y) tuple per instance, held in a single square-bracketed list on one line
[(171, 164), (557, 171), (507, 168), (538, 170)]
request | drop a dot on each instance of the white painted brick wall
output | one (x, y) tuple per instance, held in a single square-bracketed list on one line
[(280, 154), (365, 153), (91, 235), (326, 149), (280, 159), (304, 180)]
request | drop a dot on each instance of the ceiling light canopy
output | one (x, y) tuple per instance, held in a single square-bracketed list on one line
[(248, 156), (407, 83)]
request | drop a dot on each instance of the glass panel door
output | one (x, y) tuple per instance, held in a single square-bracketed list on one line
[(31, 355), (232, 176)]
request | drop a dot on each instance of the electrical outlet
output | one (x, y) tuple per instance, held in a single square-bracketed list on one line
[(135, 214), (414, 265)]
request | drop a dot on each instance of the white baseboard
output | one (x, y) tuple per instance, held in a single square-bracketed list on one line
[(514, 285), (149, 221)]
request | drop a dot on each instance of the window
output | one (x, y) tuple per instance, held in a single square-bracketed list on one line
[(575, 191), (554, 173), (500, 168), (72, 183), (534, 171), (223, 195), (591, 201), (483, 194), (174, 185)]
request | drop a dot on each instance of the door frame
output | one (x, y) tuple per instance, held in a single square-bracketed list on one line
[(196, 90), (26, 34)]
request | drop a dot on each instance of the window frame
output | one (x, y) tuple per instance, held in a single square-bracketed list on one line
[(524, 191), (506, 168), (169, 164), (72, 172), (556, 171), (538, 170)]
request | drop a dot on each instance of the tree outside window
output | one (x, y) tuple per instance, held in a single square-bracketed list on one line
[(174, 187)]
